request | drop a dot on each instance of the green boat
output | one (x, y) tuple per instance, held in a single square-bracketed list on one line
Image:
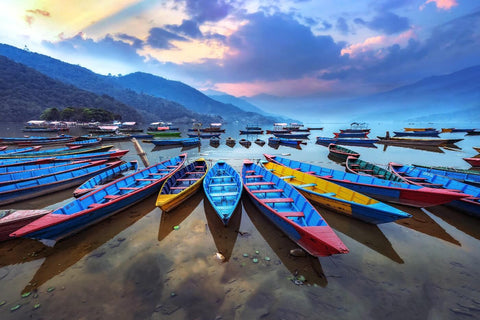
[(364, 168), (165, 133)]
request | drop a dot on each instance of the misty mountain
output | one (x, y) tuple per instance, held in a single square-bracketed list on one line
[(151, 108)]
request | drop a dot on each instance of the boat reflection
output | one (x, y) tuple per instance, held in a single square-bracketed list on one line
[(275, 145), (177, 215), (223, 236), (424, 148), (308, 266), (22, 250), (461, 221), (421, 222), (69, 251), (367, 234)]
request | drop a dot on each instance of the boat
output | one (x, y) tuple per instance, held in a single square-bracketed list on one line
[(356, 127), (383, 190), (129, 127), (474, 162), (3, 148), (397, 141), (214, 142), (104, 177), (30, 165), (260, 142), (14, 140), (204, 135), (181, 185), (85, 143), (172, 142), (285, 207), (15, 192), (223, 188), (429, 133), (473, 133), (337, 198), (469, 204), (101, 203), (292, 135), (109, 137), (315, 128), (230, 142), (253, 127), (162, 126), (165, 133), (57, 152), (361, 142), (191, 142), (214, 127), (476, 149), (104, 129), (340, 152), (245, 143), (289, 142), (418, 129), (21, 150), (457, 130), (364, 168), (251, 131), (463, 175), (12, 220), (361, 134)]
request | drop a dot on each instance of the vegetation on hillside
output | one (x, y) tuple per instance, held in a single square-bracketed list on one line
[(79, 115)]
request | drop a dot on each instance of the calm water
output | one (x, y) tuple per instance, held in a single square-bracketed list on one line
[(134, 265)]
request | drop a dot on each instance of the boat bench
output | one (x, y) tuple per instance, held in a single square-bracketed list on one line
[(254, 176), (195, 172), (220, 177), (250, 171), (157, 174), (187, 179), (94, 205), (172, 167), (435, 185), (365, 170), (276, 200), (329, 194), (112, 196), (307, 185), (226, 194), (310, 172), (222, 184), (288, 214), (178, 188), (416, 178), (145, 179), (267, 190), (326, 177), (354, 165), (287, 177), (265, 183), (128, 188), (199, 167)]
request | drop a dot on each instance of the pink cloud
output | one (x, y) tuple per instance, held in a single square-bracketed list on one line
[(441, 4)]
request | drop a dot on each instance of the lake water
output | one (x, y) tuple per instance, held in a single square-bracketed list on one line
[(134, 265)]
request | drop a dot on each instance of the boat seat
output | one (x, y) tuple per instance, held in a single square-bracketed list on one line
[(128, 188), (287, 177), (222, 184), (307, 185), (112, 196), (220, 177), (156, 174), (354, 165), (267, 190), (164, 170), (178, 188), (276, 200), (417, 178), (287, 214), (225, 194), (310, 172), (329, 194), (265, 183), (435, 185), (365, 170), (250, 171), (378, 175), (145, 179), (94, 205), (296, 168), (254, 176), (172, 167), (187, 179), (199, 167), (327, 177), (194, 172)]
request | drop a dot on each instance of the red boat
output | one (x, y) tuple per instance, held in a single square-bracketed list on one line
[(474, 162), (12, 220)]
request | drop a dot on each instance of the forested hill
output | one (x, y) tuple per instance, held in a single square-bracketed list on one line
[(25, 93)]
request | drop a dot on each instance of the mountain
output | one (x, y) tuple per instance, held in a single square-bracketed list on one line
[(189, 97), (148, 106), (26, 93)]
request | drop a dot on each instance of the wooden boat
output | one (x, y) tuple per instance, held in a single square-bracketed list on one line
[(181, 185), (3, 148), (45, 142), (429, 133), (337, 198), (474, 162), (253, 127), (21, 150), (85, 143), (361, 134), (109, 137), (365, 168), (469, 204), (12, 220), (340, 152), (57, 152), (361, 142), (191, 142), (214, 142), (30, 165), (104, 177), (289, 142), (204, 135), (290, 211), (457, 130), (172, 142), (112, 154), (473, 133), (260, 142), (466, 176), (165, 133), (476, 149), (44, 185), (356, 127), (251, 131), (223, 188), (384, 190), (45, 129), (214, 127), (101, 203), (397, 141), (245, 143), (9, 140), (230, 142), (292, 135), (418, 129)]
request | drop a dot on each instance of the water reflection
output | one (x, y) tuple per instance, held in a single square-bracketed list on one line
[(308, 266), (69, 251), (421, 222), (367, 234), (177, 215), (424, 148), (223, 236), (22, 250), (463, 222)]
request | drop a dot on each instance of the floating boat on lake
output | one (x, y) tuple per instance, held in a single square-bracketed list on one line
[(337, 198), (474, 162), (466, 176), (426, 133), (457, 130), (57, 152), (101, 203), (260, 142), (384, 190), (214, 127), (109, 137), (21, 150), (290, 211), (469, 204), (361, 134), (223, 188), (340, 152), (12, 220), (172, 142), (204, 135), (473, 133), (364, 168), (289, 142), (361, 142), (230, 142), (477, 149), (165, 133), (24, 190), (112, 154), (85, 143), (214, 142), (104, 177), (253, 127), (397, 141), (419, 129), (245, 143), (181, 185), (356, 127), (292, 135), (251, 131)]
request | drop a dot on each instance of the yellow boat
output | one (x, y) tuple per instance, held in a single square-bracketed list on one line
[(337, 198), (183, 184), (419, 129)]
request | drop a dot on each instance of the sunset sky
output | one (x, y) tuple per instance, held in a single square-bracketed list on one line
[(249, 47)]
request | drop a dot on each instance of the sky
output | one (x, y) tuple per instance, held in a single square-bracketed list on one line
[(292, 48)]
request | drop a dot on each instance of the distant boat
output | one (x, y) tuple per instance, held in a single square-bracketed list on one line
[(214, 142), (223, 188), (457, 130), (356, 127), (12, 220), (171, 142), (351, 134), (292, 135), (214, 127), (253, 127), (340, 152), (287, 209), (466, 176), (204, 135), (289, 142), (474, 162), (477, 149), (230, 142), (56, 152), (251, 131), (260, 142), (419, 129), (361, 142), (245, 143), (426, 133), (413, 141), (85, 143), (165, 133)]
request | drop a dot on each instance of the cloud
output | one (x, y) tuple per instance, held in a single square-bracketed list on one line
[(207, 10), (160, 38), (386, 22), (342, 25), (441, 4), (134, 41), (188, 28)]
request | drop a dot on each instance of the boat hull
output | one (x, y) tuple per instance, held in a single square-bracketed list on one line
[(16, 220)]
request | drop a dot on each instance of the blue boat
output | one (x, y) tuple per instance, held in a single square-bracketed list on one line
[(179, 141), (101, 203), (84, 143), (287, 209), (24, 190), (251, 131), (292, 135), (290, 142), (463, 175), (112, 154), (56, 152), (21, 150), (204, 135), (384, 190), (109, 137), (104, 177), (469, 204), (426, 133), (223, 188), (17, 177), (31, 165), (361, 142), (361, 134)]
